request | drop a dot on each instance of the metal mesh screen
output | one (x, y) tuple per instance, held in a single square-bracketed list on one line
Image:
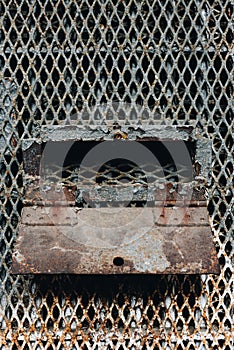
[(59, 58)]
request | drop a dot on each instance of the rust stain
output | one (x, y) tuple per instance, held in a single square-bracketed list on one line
[(47, 245), (120, 135), (56, 236)]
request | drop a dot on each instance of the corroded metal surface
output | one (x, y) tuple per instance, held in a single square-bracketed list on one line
[(164, 194), (144, 133), (61, 57), (63, 237), (147, 240)]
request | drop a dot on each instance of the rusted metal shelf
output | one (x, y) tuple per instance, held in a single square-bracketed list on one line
[(90, 222)]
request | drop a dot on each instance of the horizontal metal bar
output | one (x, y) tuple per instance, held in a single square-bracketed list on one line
[(188, 194), (173, 216)]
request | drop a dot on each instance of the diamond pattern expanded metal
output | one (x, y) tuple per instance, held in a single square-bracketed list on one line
[(59, 58)]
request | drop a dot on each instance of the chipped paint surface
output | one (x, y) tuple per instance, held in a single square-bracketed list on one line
[(70, 239), (99, 132), (203, 159), (148, 255), (66, 56), (64, 240)]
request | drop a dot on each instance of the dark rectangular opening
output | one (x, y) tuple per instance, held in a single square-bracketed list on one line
[(98, 172)]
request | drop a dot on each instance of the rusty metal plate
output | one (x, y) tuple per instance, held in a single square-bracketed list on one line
[(114, 241), (116, 217), (61, 57)]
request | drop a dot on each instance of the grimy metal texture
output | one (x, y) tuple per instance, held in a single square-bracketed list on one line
[(55, 238), (61, 57)]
